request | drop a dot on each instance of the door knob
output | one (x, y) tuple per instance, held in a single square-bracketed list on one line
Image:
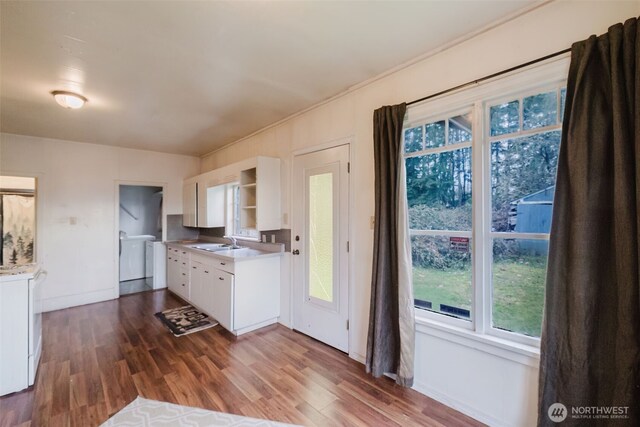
[(296, 252)]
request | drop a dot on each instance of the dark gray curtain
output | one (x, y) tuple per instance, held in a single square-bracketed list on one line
[(390, 338), (590, 352)]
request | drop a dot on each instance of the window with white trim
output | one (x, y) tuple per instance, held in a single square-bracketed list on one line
[(481, 168), (233, 227)]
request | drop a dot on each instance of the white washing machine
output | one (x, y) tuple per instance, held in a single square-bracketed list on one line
[(132, 256), (156, 264)]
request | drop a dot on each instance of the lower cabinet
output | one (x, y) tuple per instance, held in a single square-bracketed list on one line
[(221, 298), (212, 290), (241, 296), (178, 275)]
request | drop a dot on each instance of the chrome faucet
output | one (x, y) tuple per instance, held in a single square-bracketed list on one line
[(234, 242)]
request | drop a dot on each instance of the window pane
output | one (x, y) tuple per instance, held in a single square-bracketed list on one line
[(563, 99), (523, 176), (540, 110), (442, 274), (434, 134), (413, 139), (518, 278), (321, 236), (505, 118), (460, 129), (237, 230), (439, 191)]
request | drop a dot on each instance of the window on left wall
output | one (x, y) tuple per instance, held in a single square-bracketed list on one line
[(234, 227), (17, 220)]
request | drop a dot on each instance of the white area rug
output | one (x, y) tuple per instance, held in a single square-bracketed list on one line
[(145, 412)]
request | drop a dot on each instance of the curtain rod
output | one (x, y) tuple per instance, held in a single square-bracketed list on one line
[(499, 73)]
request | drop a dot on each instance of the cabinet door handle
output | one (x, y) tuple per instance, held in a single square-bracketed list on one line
[(296, 252), (193, 267), (222, 263), (206, 271), (221, 278), (184, 274)]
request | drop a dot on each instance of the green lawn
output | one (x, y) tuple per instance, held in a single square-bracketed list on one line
[(518, 291)]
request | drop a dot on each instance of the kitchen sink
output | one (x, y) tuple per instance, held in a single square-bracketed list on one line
[(212, 247)]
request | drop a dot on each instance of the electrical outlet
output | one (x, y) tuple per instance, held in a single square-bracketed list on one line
[(273, 238)]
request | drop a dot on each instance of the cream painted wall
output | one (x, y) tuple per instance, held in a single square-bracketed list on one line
[(76, 230), (496, 387)]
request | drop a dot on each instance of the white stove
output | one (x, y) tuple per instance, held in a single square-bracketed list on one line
[(20, 326)]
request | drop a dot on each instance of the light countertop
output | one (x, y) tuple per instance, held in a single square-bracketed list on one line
[(24, 272), (235, 255)]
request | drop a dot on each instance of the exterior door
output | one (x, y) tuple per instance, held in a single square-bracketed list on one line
[(320, 245)]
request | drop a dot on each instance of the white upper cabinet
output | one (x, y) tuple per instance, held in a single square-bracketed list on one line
[(190, 203), (260, 204), (260, 199)]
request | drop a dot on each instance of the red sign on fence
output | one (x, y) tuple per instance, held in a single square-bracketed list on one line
[(459, 244)]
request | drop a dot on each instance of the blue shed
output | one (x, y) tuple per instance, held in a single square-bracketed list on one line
[(532, 214)]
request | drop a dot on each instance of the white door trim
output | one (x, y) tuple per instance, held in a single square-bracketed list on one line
[(348, 141), (116, 222)]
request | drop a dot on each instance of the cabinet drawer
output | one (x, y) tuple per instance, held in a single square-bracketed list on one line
[(183, 283), (223, 265)]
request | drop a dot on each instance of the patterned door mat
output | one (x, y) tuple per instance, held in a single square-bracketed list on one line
[(185, 320)]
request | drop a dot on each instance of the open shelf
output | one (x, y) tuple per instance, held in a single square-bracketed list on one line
[(247, 196), (248, 217), (248, 176), (248, 199)]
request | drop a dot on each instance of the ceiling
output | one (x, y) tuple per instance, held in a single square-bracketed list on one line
[(188, 77)]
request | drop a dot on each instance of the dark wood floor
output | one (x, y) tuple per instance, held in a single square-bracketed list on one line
[(98, 358)]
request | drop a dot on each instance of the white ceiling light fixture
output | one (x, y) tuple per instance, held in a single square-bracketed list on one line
[(69, 99)]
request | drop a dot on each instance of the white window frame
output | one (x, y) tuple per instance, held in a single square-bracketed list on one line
[(539, 78), (230, 228)]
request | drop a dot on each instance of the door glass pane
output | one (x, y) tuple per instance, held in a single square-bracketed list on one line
[(321, 236), (518, 274)]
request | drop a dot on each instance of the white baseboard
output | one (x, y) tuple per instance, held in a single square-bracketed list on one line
[(358, 357), (66, 301), (457, 405), (284, 322)]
